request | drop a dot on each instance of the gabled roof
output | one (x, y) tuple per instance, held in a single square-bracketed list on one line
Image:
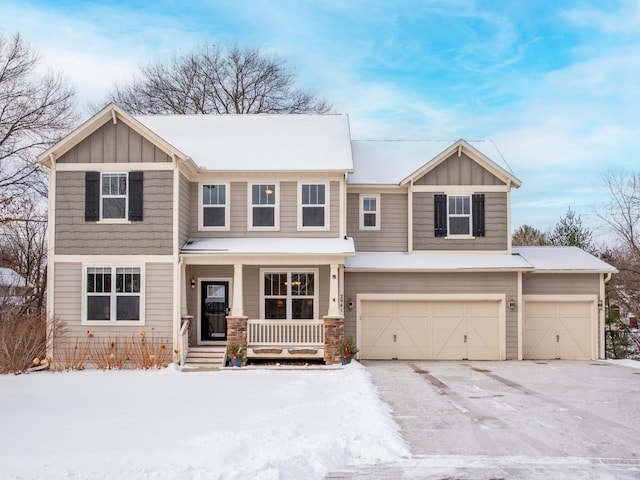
[(259, 142), (399, 162), (109, 113)]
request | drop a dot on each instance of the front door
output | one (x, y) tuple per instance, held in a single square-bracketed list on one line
[(213, 311)]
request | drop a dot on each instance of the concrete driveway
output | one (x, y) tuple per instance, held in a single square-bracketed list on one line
[(511, 420)]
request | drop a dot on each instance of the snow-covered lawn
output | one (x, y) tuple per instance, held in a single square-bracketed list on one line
[(258, 424)]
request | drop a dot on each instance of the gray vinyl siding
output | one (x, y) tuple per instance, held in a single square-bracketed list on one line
[(152, 236), (496, 234), (68, 300), (434, 283), (561, 284), (393, 233), (288, 202), (459, 171), (114, 144)]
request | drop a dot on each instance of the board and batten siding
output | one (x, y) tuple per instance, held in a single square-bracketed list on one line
[(433, 283), (459, 171), (152, 236), (68, 300), (496, 235), (393, 233), (114, 144), (288, 203), (566, 283)]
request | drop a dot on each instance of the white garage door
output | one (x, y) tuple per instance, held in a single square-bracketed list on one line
[(558, 330), (438, 330)]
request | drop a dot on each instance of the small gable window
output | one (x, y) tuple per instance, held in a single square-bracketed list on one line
[(369, 212), (113, 196), (459, 215)]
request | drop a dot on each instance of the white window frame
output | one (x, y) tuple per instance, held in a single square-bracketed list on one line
[(125, 196), (202, 206), (376, 212), (275, 206), (113, 297), (460, 215), (289, 297), (326, 206)]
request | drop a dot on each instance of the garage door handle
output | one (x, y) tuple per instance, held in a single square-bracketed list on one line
[(465, 339), (394, 338), (557, 338)]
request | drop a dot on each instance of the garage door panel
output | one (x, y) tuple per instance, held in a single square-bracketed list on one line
[(442, 330), (558, 330), (377, 330)]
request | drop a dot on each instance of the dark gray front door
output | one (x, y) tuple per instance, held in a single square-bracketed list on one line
[(214, 309)]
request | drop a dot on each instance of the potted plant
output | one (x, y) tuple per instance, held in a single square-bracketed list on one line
[(235, 352), (348, 350)]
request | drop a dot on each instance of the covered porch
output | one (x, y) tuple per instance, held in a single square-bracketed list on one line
[(279, 298)]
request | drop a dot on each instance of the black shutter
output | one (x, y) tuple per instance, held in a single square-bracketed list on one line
[(478, 214), (91, 196), (440, 215), (135, 196)]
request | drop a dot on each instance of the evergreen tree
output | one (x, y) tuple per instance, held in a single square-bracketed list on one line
[(570, 231)]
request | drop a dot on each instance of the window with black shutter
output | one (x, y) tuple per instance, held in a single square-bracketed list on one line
[(113, 196), (135, 196), (92, 196), (478, 214), (440, 215)]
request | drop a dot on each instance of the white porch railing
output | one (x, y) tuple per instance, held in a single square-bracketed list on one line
[(183, 339), (285, 333)]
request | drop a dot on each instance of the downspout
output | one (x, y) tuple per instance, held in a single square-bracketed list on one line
[(604, 279)]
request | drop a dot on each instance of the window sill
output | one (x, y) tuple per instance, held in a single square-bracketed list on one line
[(112, 323), (365, 229), (114, 221), (263, 229), (459, 237), (213, 229)]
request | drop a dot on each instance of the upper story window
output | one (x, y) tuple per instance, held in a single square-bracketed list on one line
[(113, 294), (370, 212), (113, 197), (313, 205), (459, 215), (263, 209), (214, 211), (289, 295)]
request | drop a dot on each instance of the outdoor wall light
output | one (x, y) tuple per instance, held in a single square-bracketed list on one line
[(350, 304), (193, 283), (511, 304)]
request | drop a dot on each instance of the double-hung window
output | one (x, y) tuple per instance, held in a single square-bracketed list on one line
[(214, 210), (263, 210), (459, 214), (113, 198), (113, 294), (369, 212), (289, 295), (313, 205)]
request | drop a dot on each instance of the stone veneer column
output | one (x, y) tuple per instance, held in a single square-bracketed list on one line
[(237, 331), (333, 337)]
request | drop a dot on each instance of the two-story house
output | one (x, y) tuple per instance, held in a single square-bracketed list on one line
[(280, 231)]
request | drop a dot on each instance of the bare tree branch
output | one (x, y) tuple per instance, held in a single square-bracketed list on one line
[(213, 80)]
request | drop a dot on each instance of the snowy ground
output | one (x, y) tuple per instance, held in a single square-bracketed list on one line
[(258, 424)]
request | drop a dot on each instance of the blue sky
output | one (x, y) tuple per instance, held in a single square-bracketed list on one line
[(555, 84)]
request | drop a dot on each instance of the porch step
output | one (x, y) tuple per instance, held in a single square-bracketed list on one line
[(205, 357)]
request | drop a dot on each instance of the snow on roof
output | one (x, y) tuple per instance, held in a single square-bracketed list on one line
[(391, 161), (10, 277), (284, 246), (258, 141), (435, 261), (563, 259)]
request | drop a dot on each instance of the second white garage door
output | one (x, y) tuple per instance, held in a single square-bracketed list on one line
[(438, 330), (554, 329)]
